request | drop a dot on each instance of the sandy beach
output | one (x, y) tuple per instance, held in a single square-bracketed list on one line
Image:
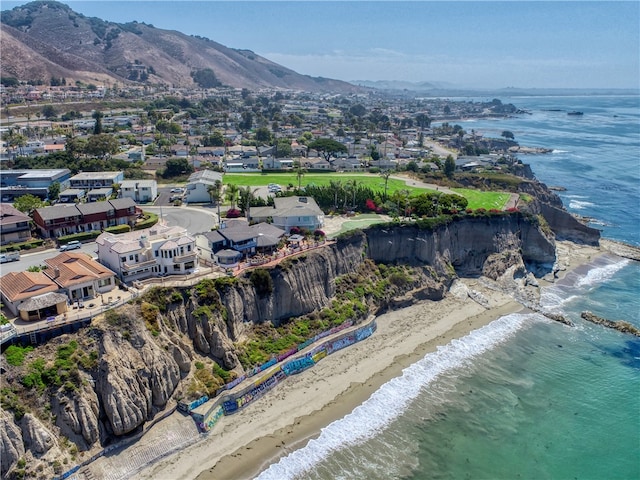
[(242, 445)]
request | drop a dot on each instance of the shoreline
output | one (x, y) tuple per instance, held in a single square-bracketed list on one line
[(244, 444)]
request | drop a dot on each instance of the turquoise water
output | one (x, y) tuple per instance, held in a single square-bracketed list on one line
[(523, 398)]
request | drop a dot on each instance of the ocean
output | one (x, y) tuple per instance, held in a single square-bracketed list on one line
[(523, 397)]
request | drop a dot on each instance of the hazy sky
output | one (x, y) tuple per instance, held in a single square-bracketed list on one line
[(469, 44)]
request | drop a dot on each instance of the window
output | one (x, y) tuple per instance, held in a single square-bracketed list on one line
[(123, 259)]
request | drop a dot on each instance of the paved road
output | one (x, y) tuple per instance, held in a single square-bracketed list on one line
[(194, 219), (37, 259)]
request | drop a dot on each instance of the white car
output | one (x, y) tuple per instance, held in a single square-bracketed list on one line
[(71, 246)]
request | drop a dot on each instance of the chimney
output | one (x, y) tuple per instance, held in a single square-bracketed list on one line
[(56, 272)]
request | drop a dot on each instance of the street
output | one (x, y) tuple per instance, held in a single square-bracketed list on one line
[(193, 219)]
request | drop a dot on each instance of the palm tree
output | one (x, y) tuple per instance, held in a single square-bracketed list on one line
[(335, 186), (232, 195), (386, 174), (353, 186), (300, 171), (215, 192)]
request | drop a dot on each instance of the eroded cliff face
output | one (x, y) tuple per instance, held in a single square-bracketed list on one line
[(464, 244), (145, 362)]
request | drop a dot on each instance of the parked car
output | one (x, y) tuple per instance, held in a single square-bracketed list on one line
[(176, 190), (71, 246), (9, 257)]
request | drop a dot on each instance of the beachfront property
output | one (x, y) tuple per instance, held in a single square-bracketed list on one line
[(141, 191), (289, 212), (227, 246), (14, 225), (156, 251), (66, 219), (15, 183), (28, 295), (79, 276), (90, 180), (197, 188)]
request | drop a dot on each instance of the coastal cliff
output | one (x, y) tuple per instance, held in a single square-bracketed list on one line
[(132, 365)]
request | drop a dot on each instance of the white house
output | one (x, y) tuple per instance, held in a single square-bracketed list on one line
[(157, 251), (198, 185), (141, 191), (289, 212)]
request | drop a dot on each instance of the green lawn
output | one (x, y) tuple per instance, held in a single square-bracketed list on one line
[(375, 182), (360, 221), (476, 198), (486, 200)]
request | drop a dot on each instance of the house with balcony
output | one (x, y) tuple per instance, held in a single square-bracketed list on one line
[(79, 276), (31, 295), (141, 191), (66, 219), (227, 246), (156, 251), (288, 212), (90, 180), (14, 225)]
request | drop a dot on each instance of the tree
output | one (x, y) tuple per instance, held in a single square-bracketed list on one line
[(263, 136), (54, 191), (232, 195), (216, 139), (283, 148), (97, 128), (102, 145), (215, 193), (75, 146), (507, 134), (328, 148), (206, 78), (176, 167), (49, 112), (449, 166), (386, 174), (28, 203), (300, 171)]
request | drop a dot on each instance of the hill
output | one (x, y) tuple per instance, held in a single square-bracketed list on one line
[(46, 39)]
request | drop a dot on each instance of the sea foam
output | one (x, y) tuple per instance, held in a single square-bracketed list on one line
[(393, 398)]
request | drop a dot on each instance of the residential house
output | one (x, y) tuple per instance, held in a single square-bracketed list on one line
[(197, 188), (72, 195), (89, 180), (18, 288), (99, 194), (15, 183), (60, 220), (289, 212), (227, 246), (141, 191), (14, 225), (157, 251), (79, 276)]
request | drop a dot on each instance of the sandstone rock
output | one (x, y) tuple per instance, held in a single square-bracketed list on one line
[(77, 416), (11, 443), (35, 436)]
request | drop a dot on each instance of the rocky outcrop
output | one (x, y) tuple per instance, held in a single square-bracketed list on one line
[(11, 442), (77, 415), (567, 227), (464, 245), (35, 436), (620, 325), (135, 377)]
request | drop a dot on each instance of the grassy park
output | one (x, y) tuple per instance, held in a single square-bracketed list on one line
[(477, 199)]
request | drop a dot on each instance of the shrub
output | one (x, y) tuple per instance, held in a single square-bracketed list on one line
[(148, 220), (319, 234), (15, 354), (261, 280), (233, 213)]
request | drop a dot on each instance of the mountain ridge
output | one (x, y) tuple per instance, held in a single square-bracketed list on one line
[(46, 39)]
